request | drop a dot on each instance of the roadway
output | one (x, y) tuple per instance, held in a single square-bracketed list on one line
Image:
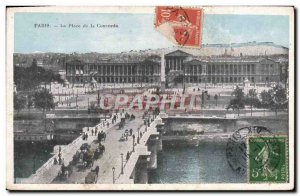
[(112, 155)]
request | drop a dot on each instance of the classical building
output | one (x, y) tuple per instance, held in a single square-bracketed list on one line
[(232, 70), (146, 71), (179, 67)]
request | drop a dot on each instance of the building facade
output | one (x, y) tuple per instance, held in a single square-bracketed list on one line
[(231, 70), (179, 67), (113, 72)]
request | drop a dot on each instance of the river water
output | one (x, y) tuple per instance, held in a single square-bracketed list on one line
[(206, 163)]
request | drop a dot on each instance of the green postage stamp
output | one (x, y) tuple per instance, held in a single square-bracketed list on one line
[(268, 159)]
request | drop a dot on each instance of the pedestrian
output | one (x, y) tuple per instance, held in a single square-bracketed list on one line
[(63, 170), (130, 131), (104, 136), (55, 161), (99, 137), (59, 159), (127, 156)]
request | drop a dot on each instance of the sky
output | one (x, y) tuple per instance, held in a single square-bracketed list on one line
[(135, 32)]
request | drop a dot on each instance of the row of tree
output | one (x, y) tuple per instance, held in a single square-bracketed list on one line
[(273, 99), (28, 78), (40, 99)]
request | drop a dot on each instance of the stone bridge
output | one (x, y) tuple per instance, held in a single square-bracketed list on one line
[(143, 155)]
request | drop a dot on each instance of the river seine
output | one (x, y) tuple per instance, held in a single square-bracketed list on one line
[(206, 163)]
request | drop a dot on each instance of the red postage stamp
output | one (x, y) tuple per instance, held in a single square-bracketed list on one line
[(182, 26)]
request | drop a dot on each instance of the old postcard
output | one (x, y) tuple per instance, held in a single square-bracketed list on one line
[(150, 98)]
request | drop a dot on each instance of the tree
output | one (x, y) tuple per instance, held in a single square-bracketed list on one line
[(28, 78), (238, 102), (274, 98), (265, 99), (30, 102), (279, 98), (216, 98), (238, 93), (19, 102), (43, 99), (34, 64), (156, 111), (252, 99)]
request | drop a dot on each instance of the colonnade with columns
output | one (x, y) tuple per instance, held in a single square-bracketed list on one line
[(113, 72), (211, 72)]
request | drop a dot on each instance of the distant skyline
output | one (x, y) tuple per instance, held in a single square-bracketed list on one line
[(136, 32)]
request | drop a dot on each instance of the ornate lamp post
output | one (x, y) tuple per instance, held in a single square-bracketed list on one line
[(133, 137), (122, 166), (88, 105), (34, 156), (138, 137), (113, 170)]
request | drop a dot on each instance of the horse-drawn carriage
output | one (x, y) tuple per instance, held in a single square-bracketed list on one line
[(92, 176), (101, 136), (122, 123), (84, 158), (127, 116), (99, 151), (64, 172), (85, 161), (132, 117)]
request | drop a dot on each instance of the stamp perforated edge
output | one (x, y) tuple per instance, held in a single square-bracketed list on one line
[(202, 10), (286, 160)]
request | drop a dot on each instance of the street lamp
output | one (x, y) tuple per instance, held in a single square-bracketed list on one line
[(69, 98), (58, 95), (113, 170), (76, 105), (138, 137), (122, 167), (133, 137), (34, 156)]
